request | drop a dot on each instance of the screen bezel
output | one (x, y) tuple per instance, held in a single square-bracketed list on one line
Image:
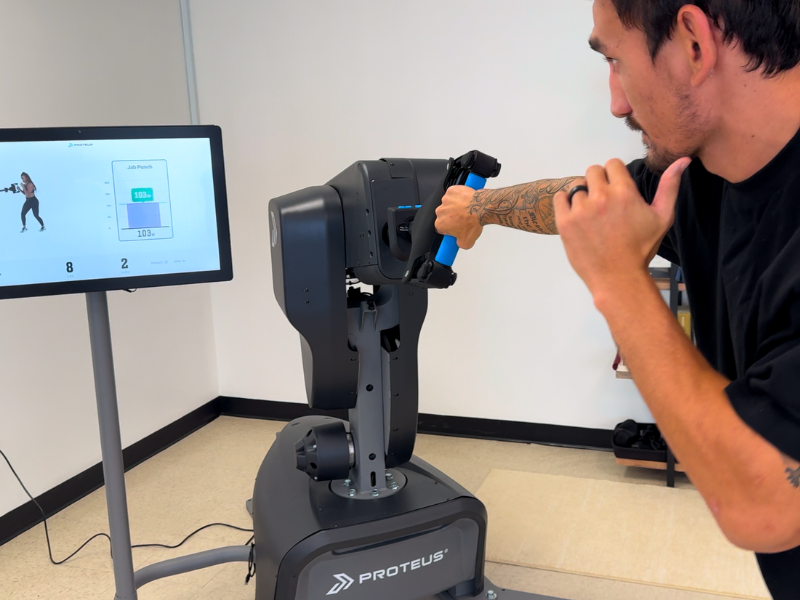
[(211, 132)]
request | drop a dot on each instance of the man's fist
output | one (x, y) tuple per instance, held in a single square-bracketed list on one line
[(610, 233), (458, 217)]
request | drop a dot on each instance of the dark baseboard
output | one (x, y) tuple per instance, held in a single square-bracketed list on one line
[(26, 516), (52, 501), (515, 431), (488, 429), (271, 410)]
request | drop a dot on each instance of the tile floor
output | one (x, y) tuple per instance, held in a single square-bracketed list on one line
[(208, 476)]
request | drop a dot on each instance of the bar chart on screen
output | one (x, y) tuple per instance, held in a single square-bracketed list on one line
[(144, 209)]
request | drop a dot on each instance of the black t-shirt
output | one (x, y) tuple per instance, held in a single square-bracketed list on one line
[(739, 247)]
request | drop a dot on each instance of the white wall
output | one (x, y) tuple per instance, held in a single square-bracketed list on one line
[(303, 89), (93, 62)]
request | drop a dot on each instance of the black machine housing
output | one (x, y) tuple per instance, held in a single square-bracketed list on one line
[(316, 526), (350, 230)]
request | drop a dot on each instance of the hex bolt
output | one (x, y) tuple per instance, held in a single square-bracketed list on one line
[(393, 485), (491, 595), (375, 493), (351, 492), (389, 475), (347, 483)]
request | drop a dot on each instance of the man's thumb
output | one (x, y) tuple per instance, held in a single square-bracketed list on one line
[(667, 193)]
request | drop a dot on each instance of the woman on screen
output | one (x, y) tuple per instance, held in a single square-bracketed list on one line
[(31, 201)]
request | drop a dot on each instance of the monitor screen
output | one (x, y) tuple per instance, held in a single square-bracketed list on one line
[(98, 209)]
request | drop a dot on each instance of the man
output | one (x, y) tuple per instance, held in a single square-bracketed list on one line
[(716, 84)]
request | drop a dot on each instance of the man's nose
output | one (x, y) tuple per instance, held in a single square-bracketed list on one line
[(619, 101)]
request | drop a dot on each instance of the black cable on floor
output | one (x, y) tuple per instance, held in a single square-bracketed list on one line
[(105, 535), (193, 533)]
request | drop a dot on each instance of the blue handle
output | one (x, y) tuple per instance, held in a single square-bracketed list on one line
[(449, 247)]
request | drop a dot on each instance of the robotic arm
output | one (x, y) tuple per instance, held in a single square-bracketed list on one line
[(371, 225)]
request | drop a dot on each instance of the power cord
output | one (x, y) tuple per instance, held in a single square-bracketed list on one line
[(105, 535), (194, 533)]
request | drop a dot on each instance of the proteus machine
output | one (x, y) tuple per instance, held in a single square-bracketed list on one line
[(342, 508)]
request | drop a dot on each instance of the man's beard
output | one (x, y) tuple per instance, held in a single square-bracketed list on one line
[(690, 123)]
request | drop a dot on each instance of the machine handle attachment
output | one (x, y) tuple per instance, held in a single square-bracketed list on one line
[(432, 254), (449, 247)]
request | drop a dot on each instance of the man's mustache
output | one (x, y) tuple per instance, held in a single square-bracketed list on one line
[(633, 124)]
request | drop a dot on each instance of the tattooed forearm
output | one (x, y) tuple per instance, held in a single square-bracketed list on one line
[(792, 471), (528, 207)]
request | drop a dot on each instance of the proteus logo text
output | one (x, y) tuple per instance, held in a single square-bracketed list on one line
[(345, 581)]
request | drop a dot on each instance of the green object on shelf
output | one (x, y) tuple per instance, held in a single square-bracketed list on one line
[(142, 194)]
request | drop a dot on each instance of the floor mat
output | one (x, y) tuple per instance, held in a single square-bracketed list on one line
[(640, 533)]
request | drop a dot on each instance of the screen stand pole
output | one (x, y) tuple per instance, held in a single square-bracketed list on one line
[(111, 444)]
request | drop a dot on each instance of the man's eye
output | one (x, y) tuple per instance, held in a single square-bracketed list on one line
[(613, 63)]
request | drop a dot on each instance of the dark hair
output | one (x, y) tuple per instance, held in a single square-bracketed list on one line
[(24, 174), (768, 30)]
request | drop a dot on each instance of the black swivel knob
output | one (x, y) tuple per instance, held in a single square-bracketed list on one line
[(324, 453)]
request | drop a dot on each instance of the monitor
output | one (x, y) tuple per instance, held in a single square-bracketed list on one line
[(111, 208)]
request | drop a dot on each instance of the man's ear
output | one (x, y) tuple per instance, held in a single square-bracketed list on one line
[(694, 32)]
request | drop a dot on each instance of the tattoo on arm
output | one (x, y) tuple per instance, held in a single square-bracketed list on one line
[(792, 471), (528, 207)]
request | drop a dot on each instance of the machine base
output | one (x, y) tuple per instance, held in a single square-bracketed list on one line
[(426, 541)]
